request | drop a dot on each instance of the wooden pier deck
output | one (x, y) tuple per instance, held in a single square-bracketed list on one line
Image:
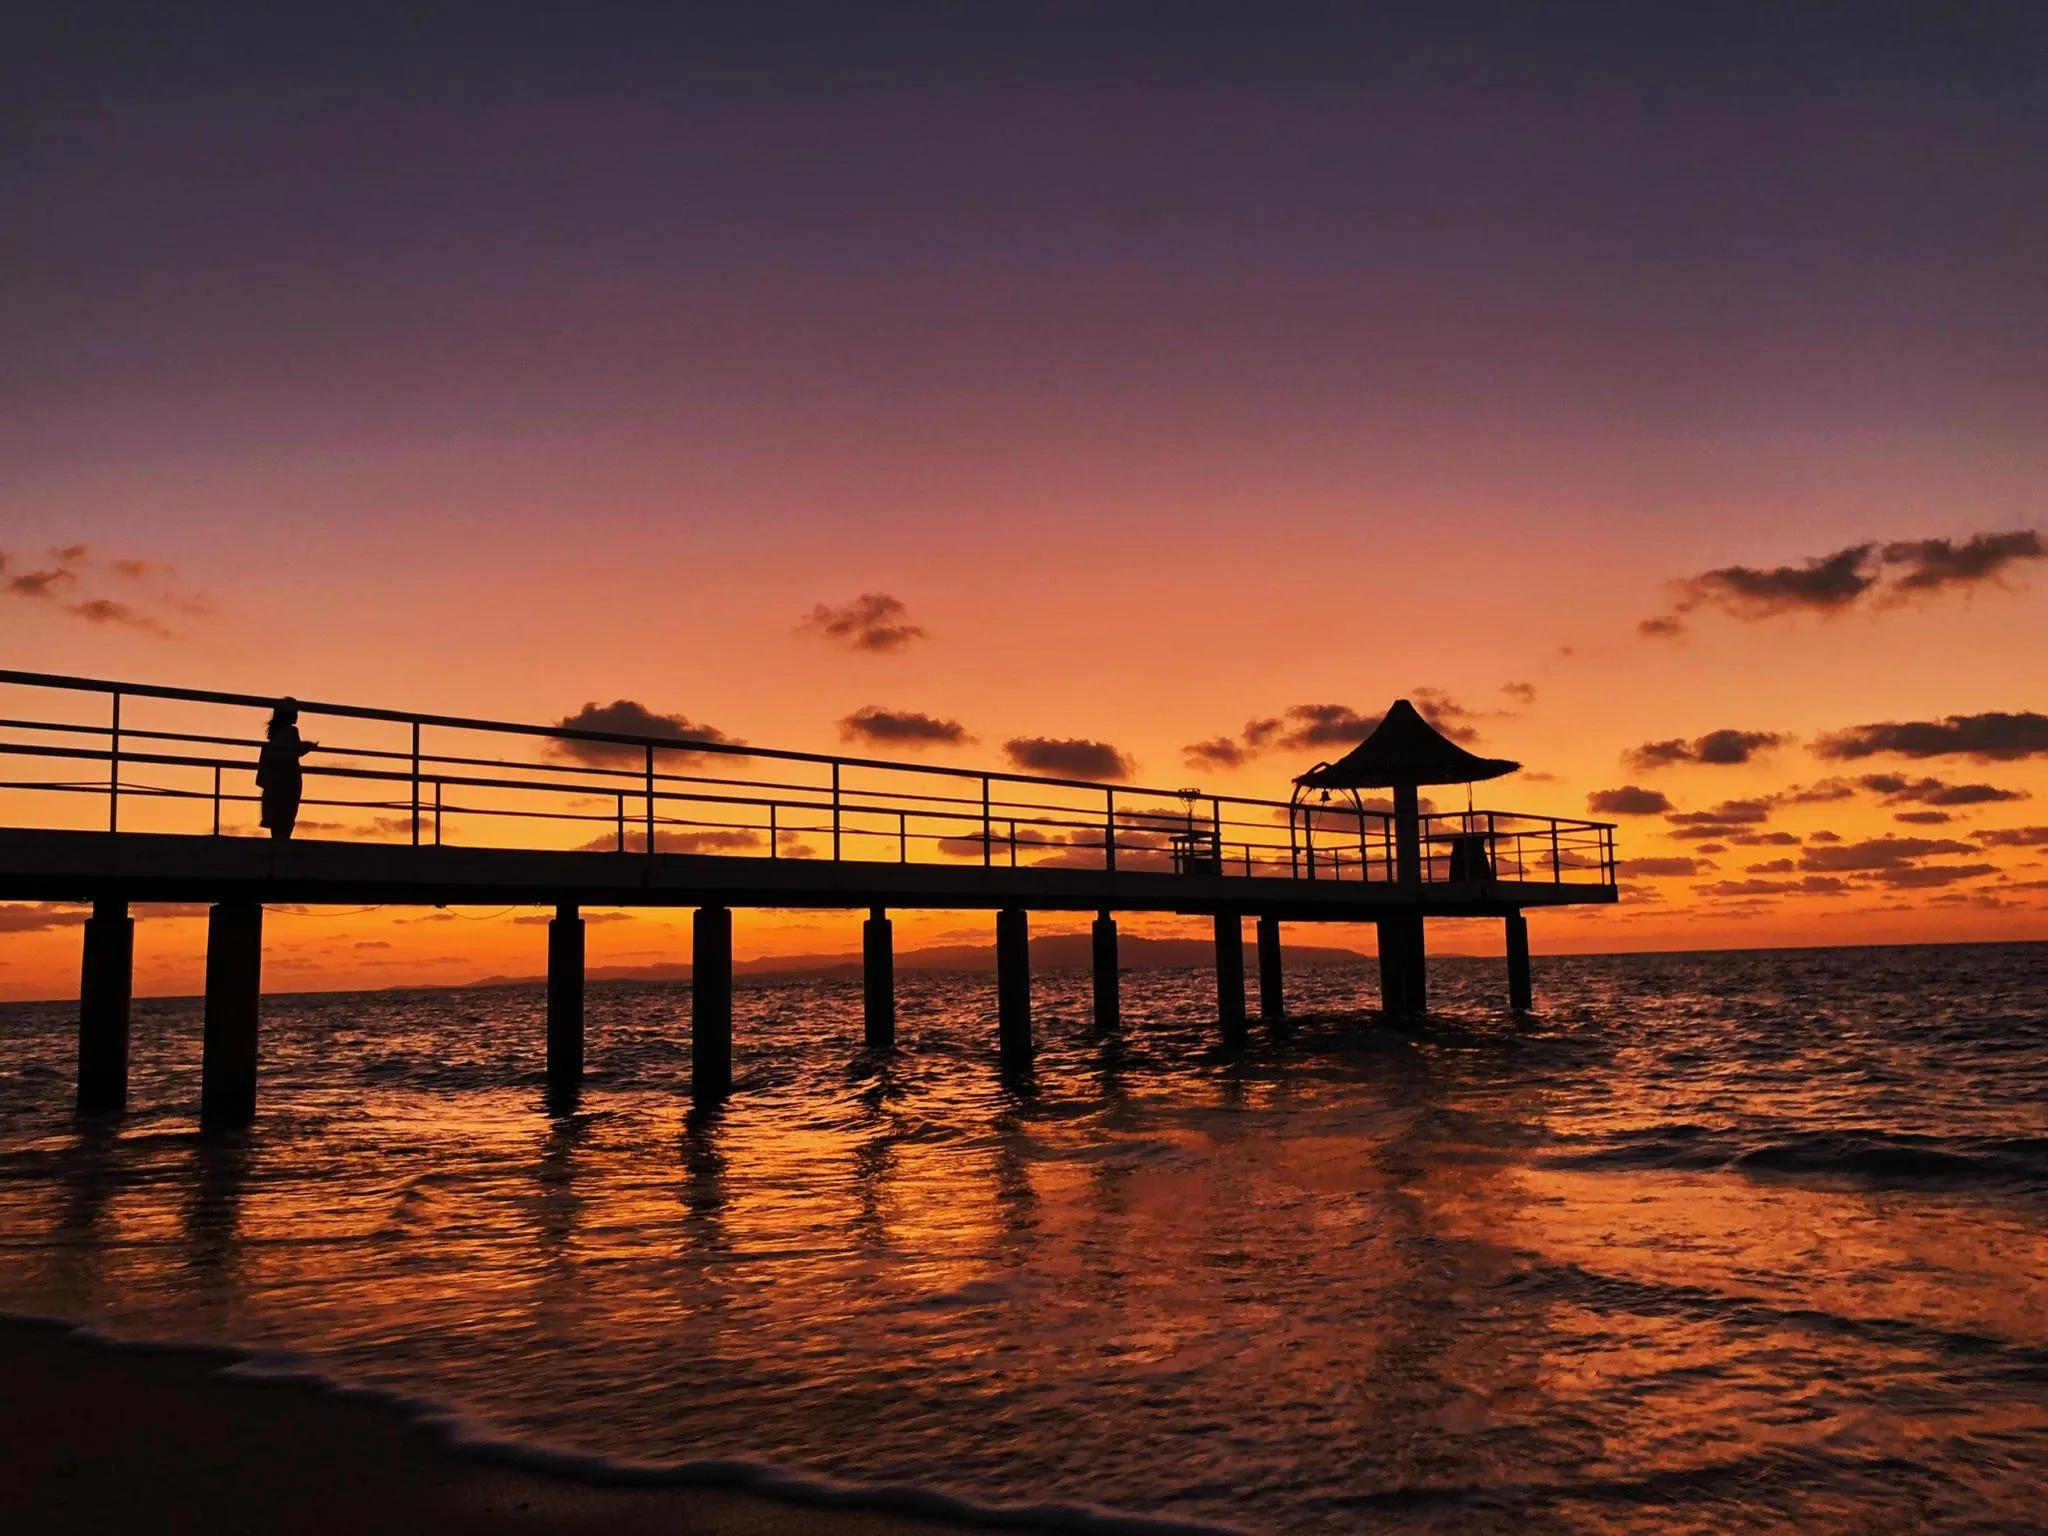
[(115, 793)]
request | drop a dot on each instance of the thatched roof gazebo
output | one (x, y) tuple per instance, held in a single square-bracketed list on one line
[(1403, 753)]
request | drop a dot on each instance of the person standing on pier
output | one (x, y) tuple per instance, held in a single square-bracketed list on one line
[(278, 774)]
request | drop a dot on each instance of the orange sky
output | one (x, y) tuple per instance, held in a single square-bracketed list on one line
[(1169, 375)]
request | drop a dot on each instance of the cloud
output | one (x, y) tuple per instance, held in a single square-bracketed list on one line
[(1922, 818), (588, 917), (1723, 748), (1888, 574), (1320, 727), (1809, 885), (1899, 790), (1678, 866), (1629, 800), (1068, 757), (1991, 737), (1729, 813), (874, 621), (2012, 837), (1879, 853), (39, 916), (902, 728), (1764, 839), (1521, 693), (74, 565), (668, 840), (628, 718), (1218, 752), (1921, 877), (1932, 564), (1826, 584)]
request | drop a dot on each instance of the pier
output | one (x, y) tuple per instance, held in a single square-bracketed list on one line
[(117, 793)]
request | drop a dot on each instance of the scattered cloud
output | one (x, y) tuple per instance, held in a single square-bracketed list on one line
[(1722, 748), (1665, 866), (1217, 753), (39, 916), (668, 840), (62, 582), (1991, 737), (1807, 885), (902, 728), (2012, 837), (588, 917), (1887, 574), (1924, 876), (1879, 853), (628, 717), (1322, 727), (1629, 800), (1520, 693), (1770, 867), (1068, 757), (1933, 564), (1896, 789), (874, 621), (1729, 813), (1922, 818)]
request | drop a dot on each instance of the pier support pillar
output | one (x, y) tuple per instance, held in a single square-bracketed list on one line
[(1230, 976), (106, 980), (1404, 984), (711, 1005), (1521, 994), (1272, 987), (565, 1006), (234, 987), (1013, 987), (878, 980), (1109, 981)]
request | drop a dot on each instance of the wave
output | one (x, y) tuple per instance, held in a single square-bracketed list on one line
[(476, 1441), (1867, 1156)]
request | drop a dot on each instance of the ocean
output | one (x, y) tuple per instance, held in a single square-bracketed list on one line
[(1715, 1242)]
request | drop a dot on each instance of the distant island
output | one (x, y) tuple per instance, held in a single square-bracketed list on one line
[(1053, 952)]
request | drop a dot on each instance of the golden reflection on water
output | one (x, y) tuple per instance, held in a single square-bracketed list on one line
[(1358, 1280)]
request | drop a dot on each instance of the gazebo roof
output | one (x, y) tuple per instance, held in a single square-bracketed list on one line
[(1404, 748)]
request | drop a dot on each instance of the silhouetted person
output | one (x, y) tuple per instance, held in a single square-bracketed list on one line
[(278, 773)]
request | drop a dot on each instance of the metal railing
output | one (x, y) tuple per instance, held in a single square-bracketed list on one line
[(133, 757)]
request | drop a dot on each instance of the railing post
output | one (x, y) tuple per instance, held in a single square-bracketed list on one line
[(835, 813), (1013, 842), (988, 831), (1556, 860), (619, 811), (902, 837), (216, 799), (415, 783), (650, 798), (437, 813), (114, 768), (774, 837), (1109, 830)]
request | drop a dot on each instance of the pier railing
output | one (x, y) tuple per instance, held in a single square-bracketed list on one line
[(84, 753)]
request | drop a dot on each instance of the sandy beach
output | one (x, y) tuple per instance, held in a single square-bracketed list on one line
[(96, 1439)]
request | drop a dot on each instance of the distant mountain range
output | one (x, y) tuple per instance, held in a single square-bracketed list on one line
[(1054, 952)]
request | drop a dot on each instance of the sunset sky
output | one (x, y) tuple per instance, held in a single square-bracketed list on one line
[(1662, 395)]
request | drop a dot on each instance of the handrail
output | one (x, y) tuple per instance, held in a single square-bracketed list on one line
[(1234, 834)]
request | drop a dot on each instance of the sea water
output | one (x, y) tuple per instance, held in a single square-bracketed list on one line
[(1721, 1242)]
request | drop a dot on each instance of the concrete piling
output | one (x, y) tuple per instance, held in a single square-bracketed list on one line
[(1521, 991), (878, 980), (1109, 981), (1272, 987), (711, 1005), (565, 1006), (1013, 987), (234, 987), (106, 982), (1230, 976)]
